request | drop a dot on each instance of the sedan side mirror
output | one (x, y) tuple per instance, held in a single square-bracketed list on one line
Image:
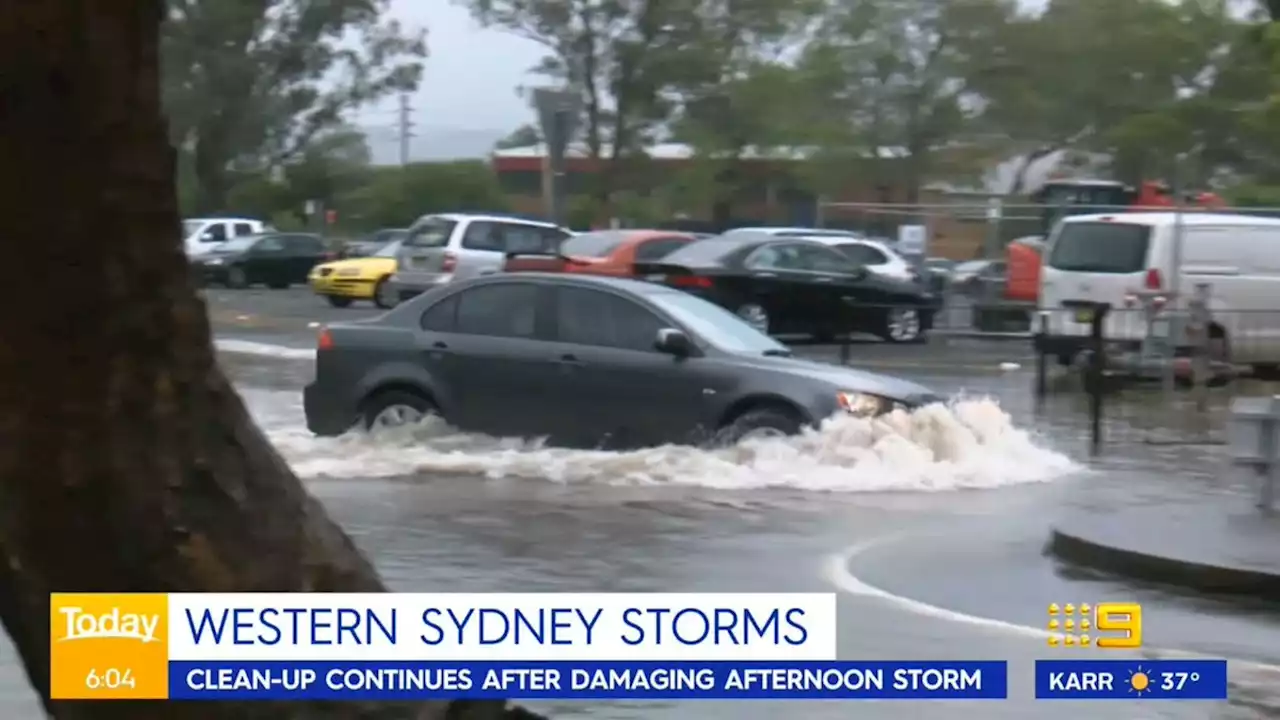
[(673, 342)]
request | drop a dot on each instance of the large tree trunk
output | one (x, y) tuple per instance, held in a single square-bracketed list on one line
[(127, 461)]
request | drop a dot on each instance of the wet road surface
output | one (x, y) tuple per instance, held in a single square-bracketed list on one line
[(924, 570)]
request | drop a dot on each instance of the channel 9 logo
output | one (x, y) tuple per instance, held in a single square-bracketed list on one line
[(1071, 624)]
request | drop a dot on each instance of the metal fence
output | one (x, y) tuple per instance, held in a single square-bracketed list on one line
[(1183, 364)]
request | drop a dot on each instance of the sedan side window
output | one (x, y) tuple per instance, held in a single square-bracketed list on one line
[(304, 244), (441, 317), (591, 317), (657, 248), (270, 244), (816, 258), (775, 257), (860, 254), (498, 310)]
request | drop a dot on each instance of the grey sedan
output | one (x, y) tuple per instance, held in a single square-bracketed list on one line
[(583, 361)]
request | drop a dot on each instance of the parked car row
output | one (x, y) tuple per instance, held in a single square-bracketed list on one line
[(782, 281)]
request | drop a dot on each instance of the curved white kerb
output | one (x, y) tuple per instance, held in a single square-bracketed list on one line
[(836, 571)]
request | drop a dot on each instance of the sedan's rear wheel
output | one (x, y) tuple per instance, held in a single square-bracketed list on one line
[(395, 409), (236, 277), (755, 316)]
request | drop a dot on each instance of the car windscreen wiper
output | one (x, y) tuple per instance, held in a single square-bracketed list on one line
[(776, 352)]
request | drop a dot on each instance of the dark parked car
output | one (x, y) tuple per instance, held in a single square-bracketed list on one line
[(277, 260), (785, 285), (370, 244), (586, 361)]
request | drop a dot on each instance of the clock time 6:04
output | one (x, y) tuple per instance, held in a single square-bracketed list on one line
[(109, 679)]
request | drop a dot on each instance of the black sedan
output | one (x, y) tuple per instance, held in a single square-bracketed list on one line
[(584, 361), (276, 260), (784, 285)]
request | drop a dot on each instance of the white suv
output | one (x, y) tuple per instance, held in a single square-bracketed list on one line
[(443, 247), (874, 255)]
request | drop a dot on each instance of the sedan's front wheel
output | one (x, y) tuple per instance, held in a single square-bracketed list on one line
[(903, 325)]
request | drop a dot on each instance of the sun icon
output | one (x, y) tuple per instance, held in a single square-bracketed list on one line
[(1139, 682)]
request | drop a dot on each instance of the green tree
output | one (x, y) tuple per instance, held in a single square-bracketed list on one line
[(1141, 81), (128, 462), (523, 136), (898, 73), (615, 53), (333, 165), (396, 196), (250, 83)]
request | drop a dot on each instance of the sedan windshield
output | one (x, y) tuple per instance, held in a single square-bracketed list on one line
[(716, 325), (189, 227)]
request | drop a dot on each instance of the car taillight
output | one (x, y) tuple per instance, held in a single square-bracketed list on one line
[(324, 341), (691, 281), (449, 263), (1153, 280)]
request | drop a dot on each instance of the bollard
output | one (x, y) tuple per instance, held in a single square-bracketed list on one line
[(846, 308), (1042, 357), (1097, 371), (1198, 331), (1253, 435)]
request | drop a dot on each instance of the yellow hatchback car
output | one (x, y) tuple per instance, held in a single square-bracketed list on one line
[(342, 282)]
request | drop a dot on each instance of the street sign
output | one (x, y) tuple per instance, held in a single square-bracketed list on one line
[(558, 116), (913, 240)]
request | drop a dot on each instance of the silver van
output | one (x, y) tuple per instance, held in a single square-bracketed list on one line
[(444, 247)]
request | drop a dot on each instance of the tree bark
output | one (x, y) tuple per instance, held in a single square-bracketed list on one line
[(128, 463)]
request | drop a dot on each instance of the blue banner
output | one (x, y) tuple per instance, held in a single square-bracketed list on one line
[(1131, 679), (812, 680)]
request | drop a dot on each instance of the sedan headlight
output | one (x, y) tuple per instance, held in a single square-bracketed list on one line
[(863, 405)]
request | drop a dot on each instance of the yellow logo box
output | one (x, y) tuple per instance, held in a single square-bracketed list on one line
[(108, 646)]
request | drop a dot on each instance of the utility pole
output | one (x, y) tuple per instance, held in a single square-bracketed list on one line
[(406, 128)]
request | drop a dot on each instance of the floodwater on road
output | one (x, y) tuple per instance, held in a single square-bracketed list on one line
[(929, 526)]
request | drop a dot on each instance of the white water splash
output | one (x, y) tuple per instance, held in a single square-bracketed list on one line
[(249, 347), (970, 444)]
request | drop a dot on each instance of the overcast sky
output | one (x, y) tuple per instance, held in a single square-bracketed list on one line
[(468, 95)]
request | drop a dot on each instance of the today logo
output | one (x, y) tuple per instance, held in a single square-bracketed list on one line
[(81, 625)]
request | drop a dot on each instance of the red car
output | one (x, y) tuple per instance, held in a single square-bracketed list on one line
[(602, 252)]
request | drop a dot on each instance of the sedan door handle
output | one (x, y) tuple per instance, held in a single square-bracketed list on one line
[(570, 358), (440, 345), (765, 275), (823, 280)]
